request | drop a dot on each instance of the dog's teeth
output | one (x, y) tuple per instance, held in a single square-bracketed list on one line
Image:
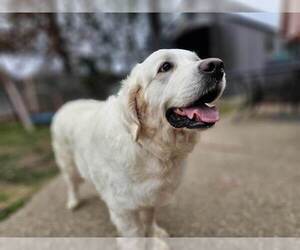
[(191, 116), (211, 105), (179, 111)]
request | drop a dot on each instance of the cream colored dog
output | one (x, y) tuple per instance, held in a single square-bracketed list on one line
[(132, 147)]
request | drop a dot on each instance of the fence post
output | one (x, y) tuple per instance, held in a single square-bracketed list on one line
[(17, 102)]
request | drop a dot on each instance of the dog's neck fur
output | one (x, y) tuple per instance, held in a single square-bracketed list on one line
[(150, 129), (160, 138), (168, 143)]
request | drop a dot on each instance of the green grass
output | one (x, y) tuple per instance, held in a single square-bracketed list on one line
[(26, 162), (4, 213), (3, 197), (13, 171), (13, 135)]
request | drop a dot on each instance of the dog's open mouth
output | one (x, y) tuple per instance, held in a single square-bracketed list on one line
[(197, 115)]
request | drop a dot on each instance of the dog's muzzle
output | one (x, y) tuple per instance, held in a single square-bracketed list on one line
[(212, 68), (199, 114)]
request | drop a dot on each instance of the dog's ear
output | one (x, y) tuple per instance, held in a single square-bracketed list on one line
[(133, 111), (131, 88)]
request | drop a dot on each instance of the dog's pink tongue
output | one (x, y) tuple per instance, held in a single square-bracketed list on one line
[(201, 113)]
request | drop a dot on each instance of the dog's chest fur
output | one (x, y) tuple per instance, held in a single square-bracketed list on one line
[(145, 173), (162, 162)]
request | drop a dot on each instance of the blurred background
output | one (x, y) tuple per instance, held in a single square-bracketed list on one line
[(47, 59)]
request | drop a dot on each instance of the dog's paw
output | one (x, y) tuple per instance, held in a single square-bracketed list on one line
[(159, 232), (132, 244), (159, 244), (72, 204)]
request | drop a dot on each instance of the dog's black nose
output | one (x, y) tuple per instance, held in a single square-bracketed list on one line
[(213, 67)]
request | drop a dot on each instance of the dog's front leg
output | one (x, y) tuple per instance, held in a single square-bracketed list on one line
[(129, 225), (153, 230), (150, 225), (147, 217)]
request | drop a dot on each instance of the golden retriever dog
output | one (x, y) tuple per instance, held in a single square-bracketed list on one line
[(133, 146)]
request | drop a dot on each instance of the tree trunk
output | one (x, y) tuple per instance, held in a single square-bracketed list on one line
[(58, 42)]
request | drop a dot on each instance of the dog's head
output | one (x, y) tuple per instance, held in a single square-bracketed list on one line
[(175, 88)]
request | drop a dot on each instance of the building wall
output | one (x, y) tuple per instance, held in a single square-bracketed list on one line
[(243, 45), (245, 48)]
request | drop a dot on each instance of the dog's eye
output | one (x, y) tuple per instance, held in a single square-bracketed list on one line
[(165, 67)]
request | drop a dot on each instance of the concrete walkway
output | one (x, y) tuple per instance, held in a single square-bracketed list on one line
[(242, 180)]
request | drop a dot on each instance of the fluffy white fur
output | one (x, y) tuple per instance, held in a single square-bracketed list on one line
[(126, 147)]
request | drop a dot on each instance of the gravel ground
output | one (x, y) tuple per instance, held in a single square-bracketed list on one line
[(242, 180)]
